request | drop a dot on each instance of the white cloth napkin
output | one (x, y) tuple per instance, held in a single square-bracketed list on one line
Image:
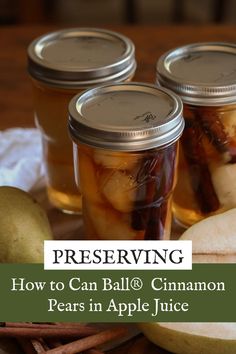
[(21, 158)]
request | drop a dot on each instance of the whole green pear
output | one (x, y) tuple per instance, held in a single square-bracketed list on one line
[(23, 227)]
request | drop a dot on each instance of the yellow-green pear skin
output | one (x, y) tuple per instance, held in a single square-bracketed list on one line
[(23, 227), (192, 338), (214, 238), (215, 234)]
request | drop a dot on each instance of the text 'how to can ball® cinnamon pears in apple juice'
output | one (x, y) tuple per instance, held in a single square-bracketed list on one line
[(204, 75), (125, 151), (61, 64)]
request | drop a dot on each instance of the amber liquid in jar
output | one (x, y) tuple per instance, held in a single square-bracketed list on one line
[(207, 164), (51, 115), (127, 195)]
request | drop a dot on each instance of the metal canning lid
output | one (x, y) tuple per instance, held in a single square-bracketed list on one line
[(126, 117), (202, 73), (81, 57)]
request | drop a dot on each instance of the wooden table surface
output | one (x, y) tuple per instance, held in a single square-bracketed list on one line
[(16, 107)]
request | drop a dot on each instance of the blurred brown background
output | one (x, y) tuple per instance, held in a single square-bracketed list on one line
[(97, 12)]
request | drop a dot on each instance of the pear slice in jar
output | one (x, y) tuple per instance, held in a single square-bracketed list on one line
[(228, 119), (88, 179), (119, 188), (224, 182), (115, 160), (109, 224)]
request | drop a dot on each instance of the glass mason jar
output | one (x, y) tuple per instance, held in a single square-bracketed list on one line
[(204, 75), (62, 64), (125, 150)]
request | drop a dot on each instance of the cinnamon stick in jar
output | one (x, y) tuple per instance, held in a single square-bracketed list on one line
[(158, 224), (148, 181), (157, 186), (214, 129), (198, 168)]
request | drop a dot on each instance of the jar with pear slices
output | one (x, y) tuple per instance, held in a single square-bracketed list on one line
[(125, 139), (204, 75)]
